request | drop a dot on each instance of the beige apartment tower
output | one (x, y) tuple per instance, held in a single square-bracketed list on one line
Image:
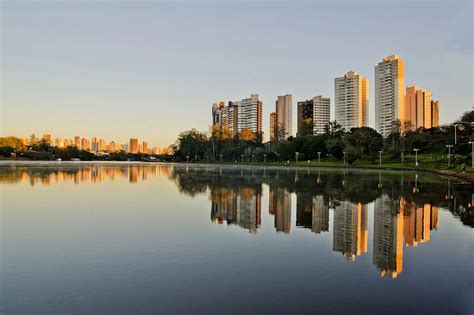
[(418, 108), (389, 93), (284, 114), (273, 127), (351, 100)]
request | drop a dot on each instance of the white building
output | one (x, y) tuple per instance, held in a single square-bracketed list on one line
[(321, 113), (351, 94), (389, 93)]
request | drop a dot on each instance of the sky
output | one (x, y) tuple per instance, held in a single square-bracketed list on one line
[(150, 70)]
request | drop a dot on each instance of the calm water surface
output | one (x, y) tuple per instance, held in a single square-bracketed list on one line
[(81, 238)]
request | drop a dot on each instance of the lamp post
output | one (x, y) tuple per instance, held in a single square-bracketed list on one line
[(220, 155), (187, 158), (380, 158), (455, 133), (253, 158), (449, 146), (319, 157), (416, 156), (344, 157), (472, 153), (265, 158), (296, 156), (242, 156)]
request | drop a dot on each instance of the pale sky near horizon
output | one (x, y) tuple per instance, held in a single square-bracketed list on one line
[(152, 69)]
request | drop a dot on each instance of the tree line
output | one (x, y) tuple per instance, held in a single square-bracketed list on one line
[(219, 144)]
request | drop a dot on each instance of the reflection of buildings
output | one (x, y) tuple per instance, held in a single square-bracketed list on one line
[(418, 221), (241, 206), (350, 233), (312, 212), (388, 236), (280, 206), (320, 216)]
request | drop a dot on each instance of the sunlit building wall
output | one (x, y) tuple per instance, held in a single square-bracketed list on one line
[(389, 94), (351, 100), (284, 114)]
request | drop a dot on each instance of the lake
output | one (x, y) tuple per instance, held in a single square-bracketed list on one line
[(117, 238)]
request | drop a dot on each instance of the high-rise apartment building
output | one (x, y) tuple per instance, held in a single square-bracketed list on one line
[(351, 94), (85, 144), (389, 93), (315, 112), (77, 142), (244, 114), (305, 114), (133, 147), (284, 115), (94, 146), (321, 113), (225, 116), (101, 145), (273, 126), (250, 114), (434, 114), (145, 147), (418, 108)]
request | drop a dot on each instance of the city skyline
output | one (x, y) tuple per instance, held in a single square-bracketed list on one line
[(153, 82)]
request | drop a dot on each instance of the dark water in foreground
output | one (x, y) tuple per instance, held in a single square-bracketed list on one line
[(142, 238)]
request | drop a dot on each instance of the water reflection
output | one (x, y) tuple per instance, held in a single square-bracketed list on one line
[(405, 205)]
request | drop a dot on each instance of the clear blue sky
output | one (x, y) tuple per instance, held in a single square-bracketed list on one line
[(152, 69)]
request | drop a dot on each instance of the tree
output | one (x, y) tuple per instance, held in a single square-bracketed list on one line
[(247, 134), (306, 128)]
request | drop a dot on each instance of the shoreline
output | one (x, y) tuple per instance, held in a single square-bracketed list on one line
[(467, 178)]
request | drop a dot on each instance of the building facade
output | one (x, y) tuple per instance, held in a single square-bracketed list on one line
[(434, 114), (351, 94), (249, 114), (389, 93), (133, 147), (321, 113), (418, 108), (273, 126), (315, 112), (284, 115)]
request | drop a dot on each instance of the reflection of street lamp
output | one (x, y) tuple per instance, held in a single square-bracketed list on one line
[(344, 157), (416, 156), (319, 157), (380, 158), (449, 146)]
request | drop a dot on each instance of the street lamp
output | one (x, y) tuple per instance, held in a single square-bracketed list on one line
[(319, 157), (449, 146), (253, 158), (296, 156), (242, 156), (455, 133), (344, 157), (187, 158), (380, 158), (220, 155), (472, 153), (416, 156), (264, 158)]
